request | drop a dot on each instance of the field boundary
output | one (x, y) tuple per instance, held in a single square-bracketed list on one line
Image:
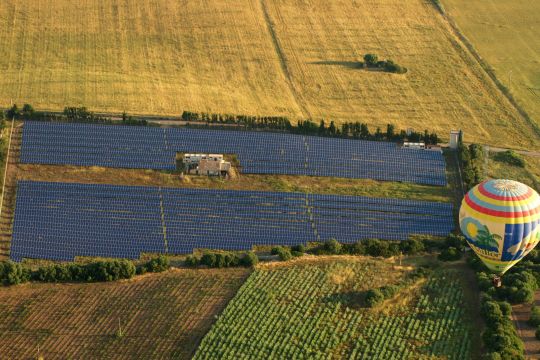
[(6, 168), (283, 61), (486, 67)]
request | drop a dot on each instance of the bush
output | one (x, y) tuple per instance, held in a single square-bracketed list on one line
[(373, 297), (249, 259), (208, 259), (371, 59), (282, 252), (492, 356), (332, 246), (456, 241), (12, 273), (191, 261), (110, 270), (299, 248), (450, 254), (506, 308), (510, 157), (297, 253), (159, 264), (534, 320), (537, 333), (411, 247), (389, 291)]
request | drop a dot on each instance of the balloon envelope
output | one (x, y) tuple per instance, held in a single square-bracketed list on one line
[(501, 222)]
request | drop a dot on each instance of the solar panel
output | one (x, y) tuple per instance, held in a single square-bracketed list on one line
[(258, 152), (60, 221)]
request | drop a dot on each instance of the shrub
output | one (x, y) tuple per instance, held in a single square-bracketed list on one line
[(456, 241), (299, 248), (373, 297), (450, 254), (159, 264), (537, 333), (411, 247), (282, 252), (510, 157), (506, 308), (492, 356), (371, 59), (249, 259), (534, 320), (332, 246), (208, 259), (12, 273), (192, 261), (389, 291), (297, 253)]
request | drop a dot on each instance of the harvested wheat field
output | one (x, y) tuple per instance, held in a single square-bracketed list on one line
[(505, 33), (161, 316), (282, 57)]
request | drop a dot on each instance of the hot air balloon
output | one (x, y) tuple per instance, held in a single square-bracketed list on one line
[(501, 222)]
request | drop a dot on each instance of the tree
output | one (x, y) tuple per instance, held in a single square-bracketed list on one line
[(371, 59), (322, 128), (13, 112), (373, 297), (27, 111), (332, 246), (332, 128), (249, 259), (378, 134), (390, 132), (364, 131)]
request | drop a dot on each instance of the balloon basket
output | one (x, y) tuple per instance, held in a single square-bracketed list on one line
[(497, 282)]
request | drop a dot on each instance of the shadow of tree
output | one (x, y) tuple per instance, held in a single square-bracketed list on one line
[(351, 299), (347, 64)]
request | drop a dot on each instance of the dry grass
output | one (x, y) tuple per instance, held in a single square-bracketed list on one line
[(319, 185), (529, 175), (289, 57), (162, 316), (506, 35)]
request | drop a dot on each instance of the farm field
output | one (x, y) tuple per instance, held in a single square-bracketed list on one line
[(285, 57), (529, 175), (313, 308), (505, 33), (162, 316)]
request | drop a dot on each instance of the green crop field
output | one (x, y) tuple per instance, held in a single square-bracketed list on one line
[(310, 310), (505, 33), (284, 57)]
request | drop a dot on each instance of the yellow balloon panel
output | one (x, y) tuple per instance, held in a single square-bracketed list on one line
[(501, 222)]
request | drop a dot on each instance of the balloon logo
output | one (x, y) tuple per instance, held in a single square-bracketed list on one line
[(501, 222)]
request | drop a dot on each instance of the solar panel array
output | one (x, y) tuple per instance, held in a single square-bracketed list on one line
[(59, 221), (258, 152)]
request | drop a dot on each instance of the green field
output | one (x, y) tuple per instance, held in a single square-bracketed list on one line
[(313, 309), (505, 33), (258, 57)]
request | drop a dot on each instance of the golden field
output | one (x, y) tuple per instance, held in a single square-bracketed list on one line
[(505, 33), (279, 57)]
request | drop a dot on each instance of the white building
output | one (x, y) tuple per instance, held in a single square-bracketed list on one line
[(206, 164), (454, 138)]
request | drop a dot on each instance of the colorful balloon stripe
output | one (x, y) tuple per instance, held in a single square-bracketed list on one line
[(501, 221)]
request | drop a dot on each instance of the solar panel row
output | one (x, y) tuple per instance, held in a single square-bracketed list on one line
[(258, 152), (59, 221)]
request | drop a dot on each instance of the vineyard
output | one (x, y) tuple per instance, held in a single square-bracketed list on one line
[(314, 310), (155, 316)]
